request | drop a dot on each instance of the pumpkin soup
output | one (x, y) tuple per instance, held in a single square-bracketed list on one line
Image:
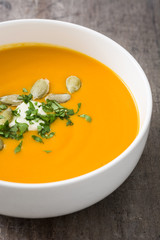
[(62, 114)]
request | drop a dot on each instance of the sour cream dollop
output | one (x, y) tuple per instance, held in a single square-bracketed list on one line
[(21, 110)]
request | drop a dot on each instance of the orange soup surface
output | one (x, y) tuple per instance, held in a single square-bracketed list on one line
[(77, 149)]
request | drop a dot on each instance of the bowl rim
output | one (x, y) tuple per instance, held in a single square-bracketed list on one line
[(116, 160)]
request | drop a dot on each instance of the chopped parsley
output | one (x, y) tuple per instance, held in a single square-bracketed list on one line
[(50, 135), (25, 98), (25, 90), (69, 123), (79, 106), (47, 151), (15, 113), (18, 148), (37, 139), (88, 118), (22, 127), (2, 107), (15, 132)]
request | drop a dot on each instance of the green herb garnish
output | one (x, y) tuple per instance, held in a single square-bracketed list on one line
[(32, 112), (25, 90), (25, 98), (50, 135), (48, 118), (47, 151), (47, 108), (22, 127), (79, 106), (88, 118), (15, 132), (18, 148), (15, 113), (37, 139), (2, 107), (1, 117), (69, 123), (44, 129)]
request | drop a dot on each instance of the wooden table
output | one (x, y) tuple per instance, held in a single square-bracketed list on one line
[(132, 212)]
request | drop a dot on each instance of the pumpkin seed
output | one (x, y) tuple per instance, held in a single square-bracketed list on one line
[(1, 144), (7, 114), (73, 84), (40, 88), (60, 98), (11, 100)]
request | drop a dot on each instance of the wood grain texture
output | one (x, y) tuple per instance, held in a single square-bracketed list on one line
[(132, 212)]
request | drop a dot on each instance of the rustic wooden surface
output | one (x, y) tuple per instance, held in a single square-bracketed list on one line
[(132, 212)]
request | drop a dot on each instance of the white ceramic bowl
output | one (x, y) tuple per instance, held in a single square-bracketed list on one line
[(59, 198)]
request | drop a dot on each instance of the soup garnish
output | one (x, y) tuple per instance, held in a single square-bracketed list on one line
[(32, 115)]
